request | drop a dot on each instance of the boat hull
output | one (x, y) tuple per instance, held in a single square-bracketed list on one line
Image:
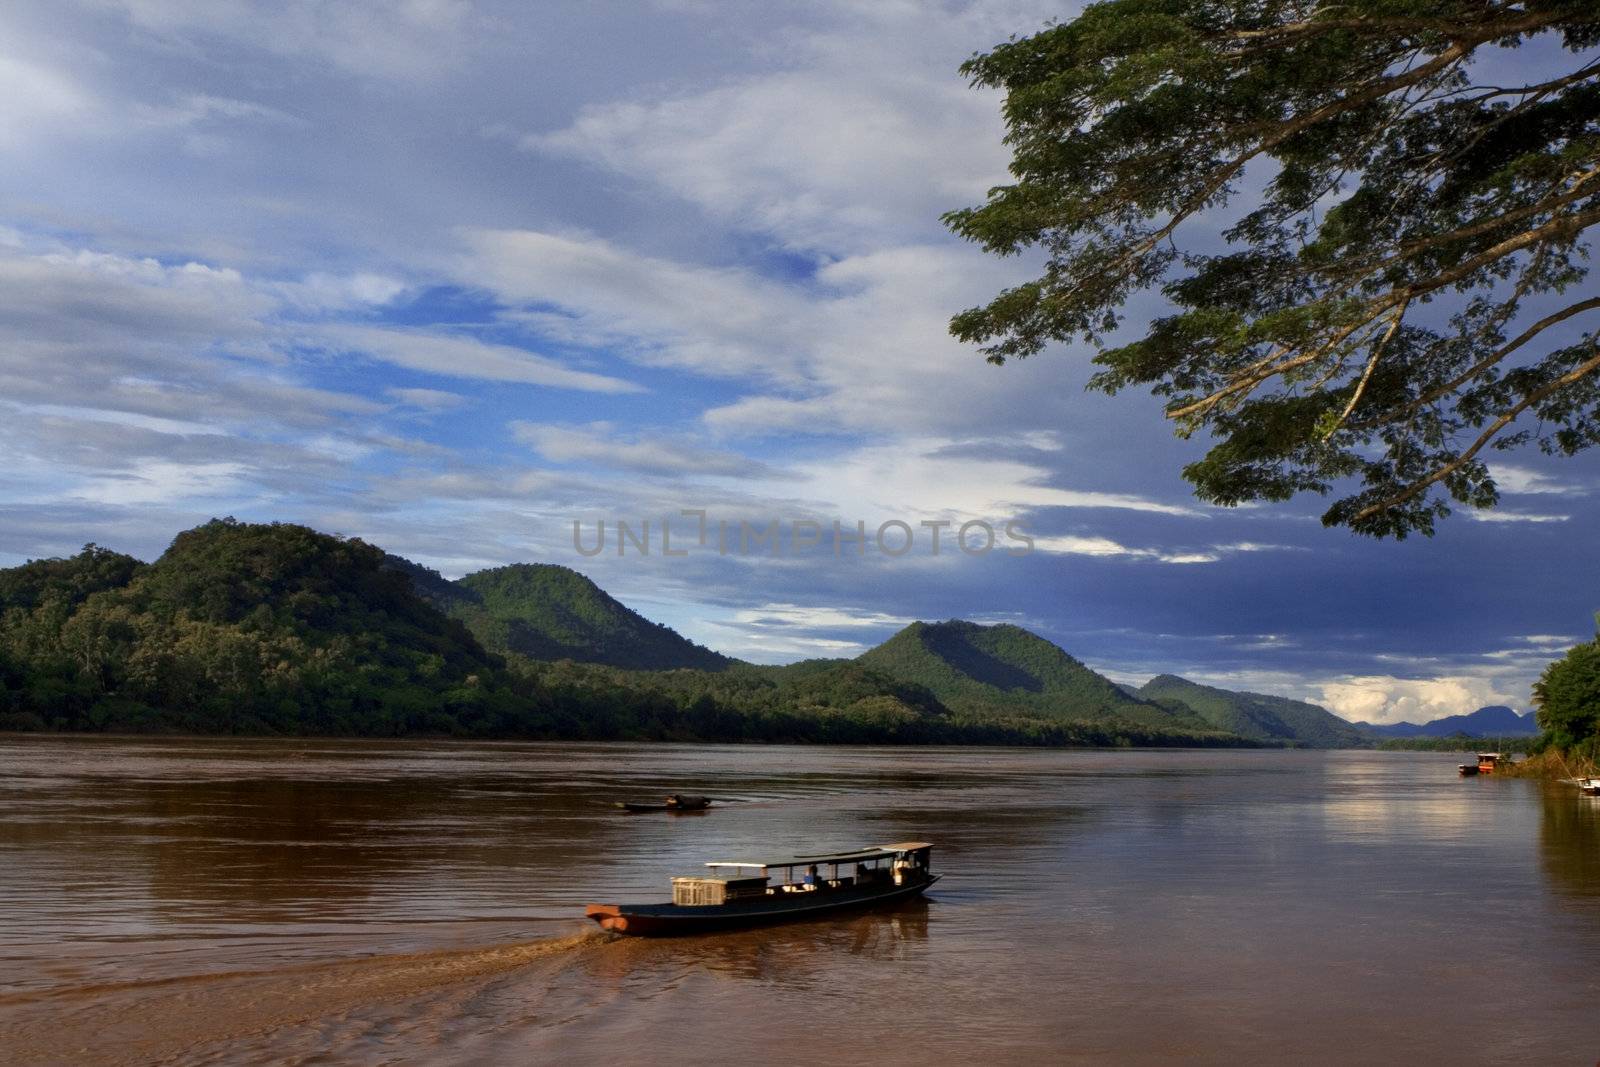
[(672, 920)]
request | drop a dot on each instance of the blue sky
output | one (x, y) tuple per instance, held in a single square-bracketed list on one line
[(450, 276)]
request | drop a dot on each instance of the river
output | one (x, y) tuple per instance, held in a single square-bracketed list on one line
[(366, 902)]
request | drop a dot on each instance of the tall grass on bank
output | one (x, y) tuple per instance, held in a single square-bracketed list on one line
[(1554, 763)]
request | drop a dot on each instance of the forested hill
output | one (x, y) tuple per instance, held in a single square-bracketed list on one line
[(547, 612), (1257, 715), (237, 628), (543, 611), (1008, 670)]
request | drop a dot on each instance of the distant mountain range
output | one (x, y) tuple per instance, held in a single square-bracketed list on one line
[(1496, 720), (1256, 715), (251, 628)]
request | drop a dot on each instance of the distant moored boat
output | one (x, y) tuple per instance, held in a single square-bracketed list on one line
[(676, 802)]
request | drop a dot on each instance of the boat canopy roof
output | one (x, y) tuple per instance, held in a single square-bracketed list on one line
[(875, 852)]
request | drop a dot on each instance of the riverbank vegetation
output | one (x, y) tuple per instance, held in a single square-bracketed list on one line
[(1553, 763), (1458, 743), (1567, 697)]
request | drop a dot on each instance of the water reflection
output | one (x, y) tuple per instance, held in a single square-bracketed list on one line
[(1569, 838), (798, 951), (272, 849)]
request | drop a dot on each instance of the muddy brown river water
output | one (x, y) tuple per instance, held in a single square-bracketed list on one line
[(368, 902)]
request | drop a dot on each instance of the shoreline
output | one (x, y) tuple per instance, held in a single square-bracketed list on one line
[(1243, 745), (1131, 744), (1552, 765)]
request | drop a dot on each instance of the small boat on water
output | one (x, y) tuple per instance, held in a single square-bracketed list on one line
[(675, 802), (1487, 762), (753, 892), (1589, 787)]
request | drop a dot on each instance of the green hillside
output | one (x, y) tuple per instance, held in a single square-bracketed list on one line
[(856, 701), (58, 586), (278, 629), (546, 612), (263, 630), (237, 628), (1256, 715), (432, 586), (1005, 670)]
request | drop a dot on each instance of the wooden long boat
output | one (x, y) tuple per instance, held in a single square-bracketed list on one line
[(676, 802), (754, 892)]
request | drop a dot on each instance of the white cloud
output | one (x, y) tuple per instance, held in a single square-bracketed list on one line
[(429, 400), (824, 164), (804, 617), (772, 415), (1070, 545), (78, 295), (1077, 545), (159, 482), (1502, 515), (1386, 699), (603, 445), (864, 346), (35, 98), (190, 342), (197, 108), (937, 478), (878, 355), (779, 644), (388, 39), (1549, 640), (780, 632), (1522, 481), (320, 291), (465, 357), (714, 321), (854, 137)]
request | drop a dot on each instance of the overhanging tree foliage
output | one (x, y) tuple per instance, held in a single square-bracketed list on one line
[(1402, 290)]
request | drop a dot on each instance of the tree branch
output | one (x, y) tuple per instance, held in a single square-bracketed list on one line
[(1226, 173), (1253, 379), (1372, 364), (1315, 25), (1501, 353), (1510, 416)]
